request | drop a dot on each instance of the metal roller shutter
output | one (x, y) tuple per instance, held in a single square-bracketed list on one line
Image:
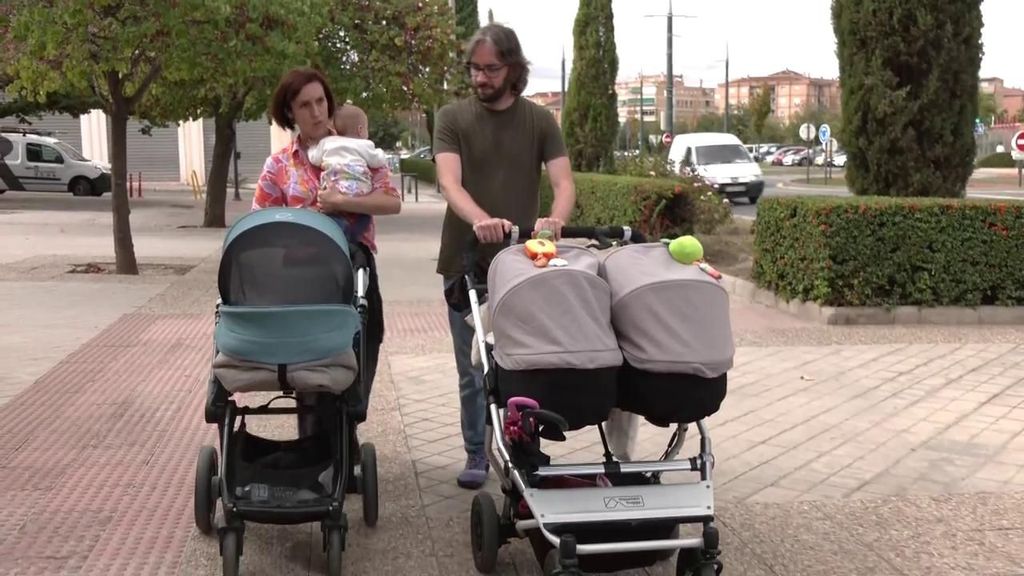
[(156, 156), (253, 143), (68, 128)]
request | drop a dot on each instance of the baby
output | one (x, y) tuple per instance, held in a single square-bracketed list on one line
[(346, 159)]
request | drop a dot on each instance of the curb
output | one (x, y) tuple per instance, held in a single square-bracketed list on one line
[(875, 315)]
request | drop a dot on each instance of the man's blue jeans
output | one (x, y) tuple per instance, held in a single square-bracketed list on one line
[(471, 387)]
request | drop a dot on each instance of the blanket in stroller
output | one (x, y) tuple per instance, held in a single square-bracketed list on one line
[(287, 319)]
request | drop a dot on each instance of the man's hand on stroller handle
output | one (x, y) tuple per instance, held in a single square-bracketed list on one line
[(491, 230), (551, 223)]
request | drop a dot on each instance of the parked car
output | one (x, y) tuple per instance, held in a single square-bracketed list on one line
[(777, 157), (35, 162), (839, 160), (424, 153), (798, 157), (720, 160)]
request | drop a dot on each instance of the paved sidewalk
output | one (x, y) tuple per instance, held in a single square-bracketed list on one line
[(841, 451)]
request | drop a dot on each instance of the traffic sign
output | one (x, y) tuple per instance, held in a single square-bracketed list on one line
[(824, 133), (807, 132), (1017, 142), (666, 138), (833, 144)]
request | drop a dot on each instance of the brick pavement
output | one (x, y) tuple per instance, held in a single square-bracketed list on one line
[(898, 456), (807, 432)]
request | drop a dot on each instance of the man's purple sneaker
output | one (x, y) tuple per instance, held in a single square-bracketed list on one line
[(475, 474)]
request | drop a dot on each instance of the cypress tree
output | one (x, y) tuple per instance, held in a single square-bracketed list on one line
[(591, 119), (467, 22), (909, 78)]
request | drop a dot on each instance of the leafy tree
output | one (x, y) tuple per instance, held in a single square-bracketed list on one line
[(909, 74), (113, 51), (590, 119), (228, 72), (987, 107), (760, 109), (467, 21), (64, 102), (385, 129), (389, 54)]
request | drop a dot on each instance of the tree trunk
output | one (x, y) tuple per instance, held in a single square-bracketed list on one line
[(217, 184), (124, 248)]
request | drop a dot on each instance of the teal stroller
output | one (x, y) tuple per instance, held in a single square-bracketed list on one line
[(291, 319)]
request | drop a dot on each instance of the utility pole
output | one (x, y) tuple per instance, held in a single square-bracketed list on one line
[(726, 86), (641, 131), (668, 122), (235, 155), (561, 105)]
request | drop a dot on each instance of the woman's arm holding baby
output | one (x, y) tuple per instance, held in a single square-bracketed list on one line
[(383, 199)]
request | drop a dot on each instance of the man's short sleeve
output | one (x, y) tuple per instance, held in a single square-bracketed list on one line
[(552, 144), (446, 133)]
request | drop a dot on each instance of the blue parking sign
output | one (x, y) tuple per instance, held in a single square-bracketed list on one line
[(824, 134)]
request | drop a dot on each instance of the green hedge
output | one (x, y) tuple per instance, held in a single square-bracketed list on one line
[(423, 169), (997, 160), (657, 207), (891, 251)]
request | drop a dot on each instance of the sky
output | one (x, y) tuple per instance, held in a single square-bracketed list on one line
[(763, 36)]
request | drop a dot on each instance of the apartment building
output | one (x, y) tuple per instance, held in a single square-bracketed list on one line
[(1009, 99), (551, 101), (648, 93), (791, 93)]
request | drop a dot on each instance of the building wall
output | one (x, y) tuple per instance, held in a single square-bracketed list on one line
[(254, 144), (169, 154), (791, 93), (65, 127), (689, 102)]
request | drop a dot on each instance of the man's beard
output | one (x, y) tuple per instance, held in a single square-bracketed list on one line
[(495, 95)]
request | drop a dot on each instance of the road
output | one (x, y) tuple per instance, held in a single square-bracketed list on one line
[(777, 183)]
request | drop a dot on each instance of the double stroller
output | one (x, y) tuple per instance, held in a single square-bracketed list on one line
[(618, 330), (290, 320)]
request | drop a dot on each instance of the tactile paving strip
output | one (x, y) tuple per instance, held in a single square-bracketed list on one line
[(97, 457)]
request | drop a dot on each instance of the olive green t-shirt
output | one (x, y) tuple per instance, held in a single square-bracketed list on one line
[(502, 153)]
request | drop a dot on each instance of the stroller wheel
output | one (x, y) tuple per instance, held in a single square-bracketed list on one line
[(230, 551), (484, 526), (690, 562), (334, 550), (368, 483), (205, 491), (553, 567)]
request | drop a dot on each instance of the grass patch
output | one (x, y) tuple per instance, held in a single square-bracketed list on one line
[(731, 248)]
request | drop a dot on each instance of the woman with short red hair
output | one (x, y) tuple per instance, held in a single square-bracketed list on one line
[(303, 103)]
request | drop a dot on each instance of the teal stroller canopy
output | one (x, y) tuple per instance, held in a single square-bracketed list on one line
[(286, 285)]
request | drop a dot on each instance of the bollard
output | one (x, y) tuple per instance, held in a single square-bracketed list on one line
[(140, 184), (131, 185)]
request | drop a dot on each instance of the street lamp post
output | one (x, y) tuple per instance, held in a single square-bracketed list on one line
[(668, 122)]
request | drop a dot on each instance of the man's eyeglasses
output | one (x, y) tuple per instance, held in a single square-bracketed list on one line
[(490, 71)]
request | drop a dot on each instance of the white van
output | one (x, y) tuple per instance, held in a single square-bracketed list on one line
[(34, 162), (721, 160)]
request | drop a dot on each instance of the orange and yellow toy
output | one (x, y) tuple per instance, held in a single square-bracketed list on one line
[(541, 249)]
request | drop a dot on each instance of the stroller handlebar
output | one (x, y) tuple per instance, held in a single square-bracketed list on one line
[(523, 233)]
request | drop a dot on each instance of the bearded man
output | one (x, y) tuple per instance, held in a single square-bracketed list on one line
[(489, 149)]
